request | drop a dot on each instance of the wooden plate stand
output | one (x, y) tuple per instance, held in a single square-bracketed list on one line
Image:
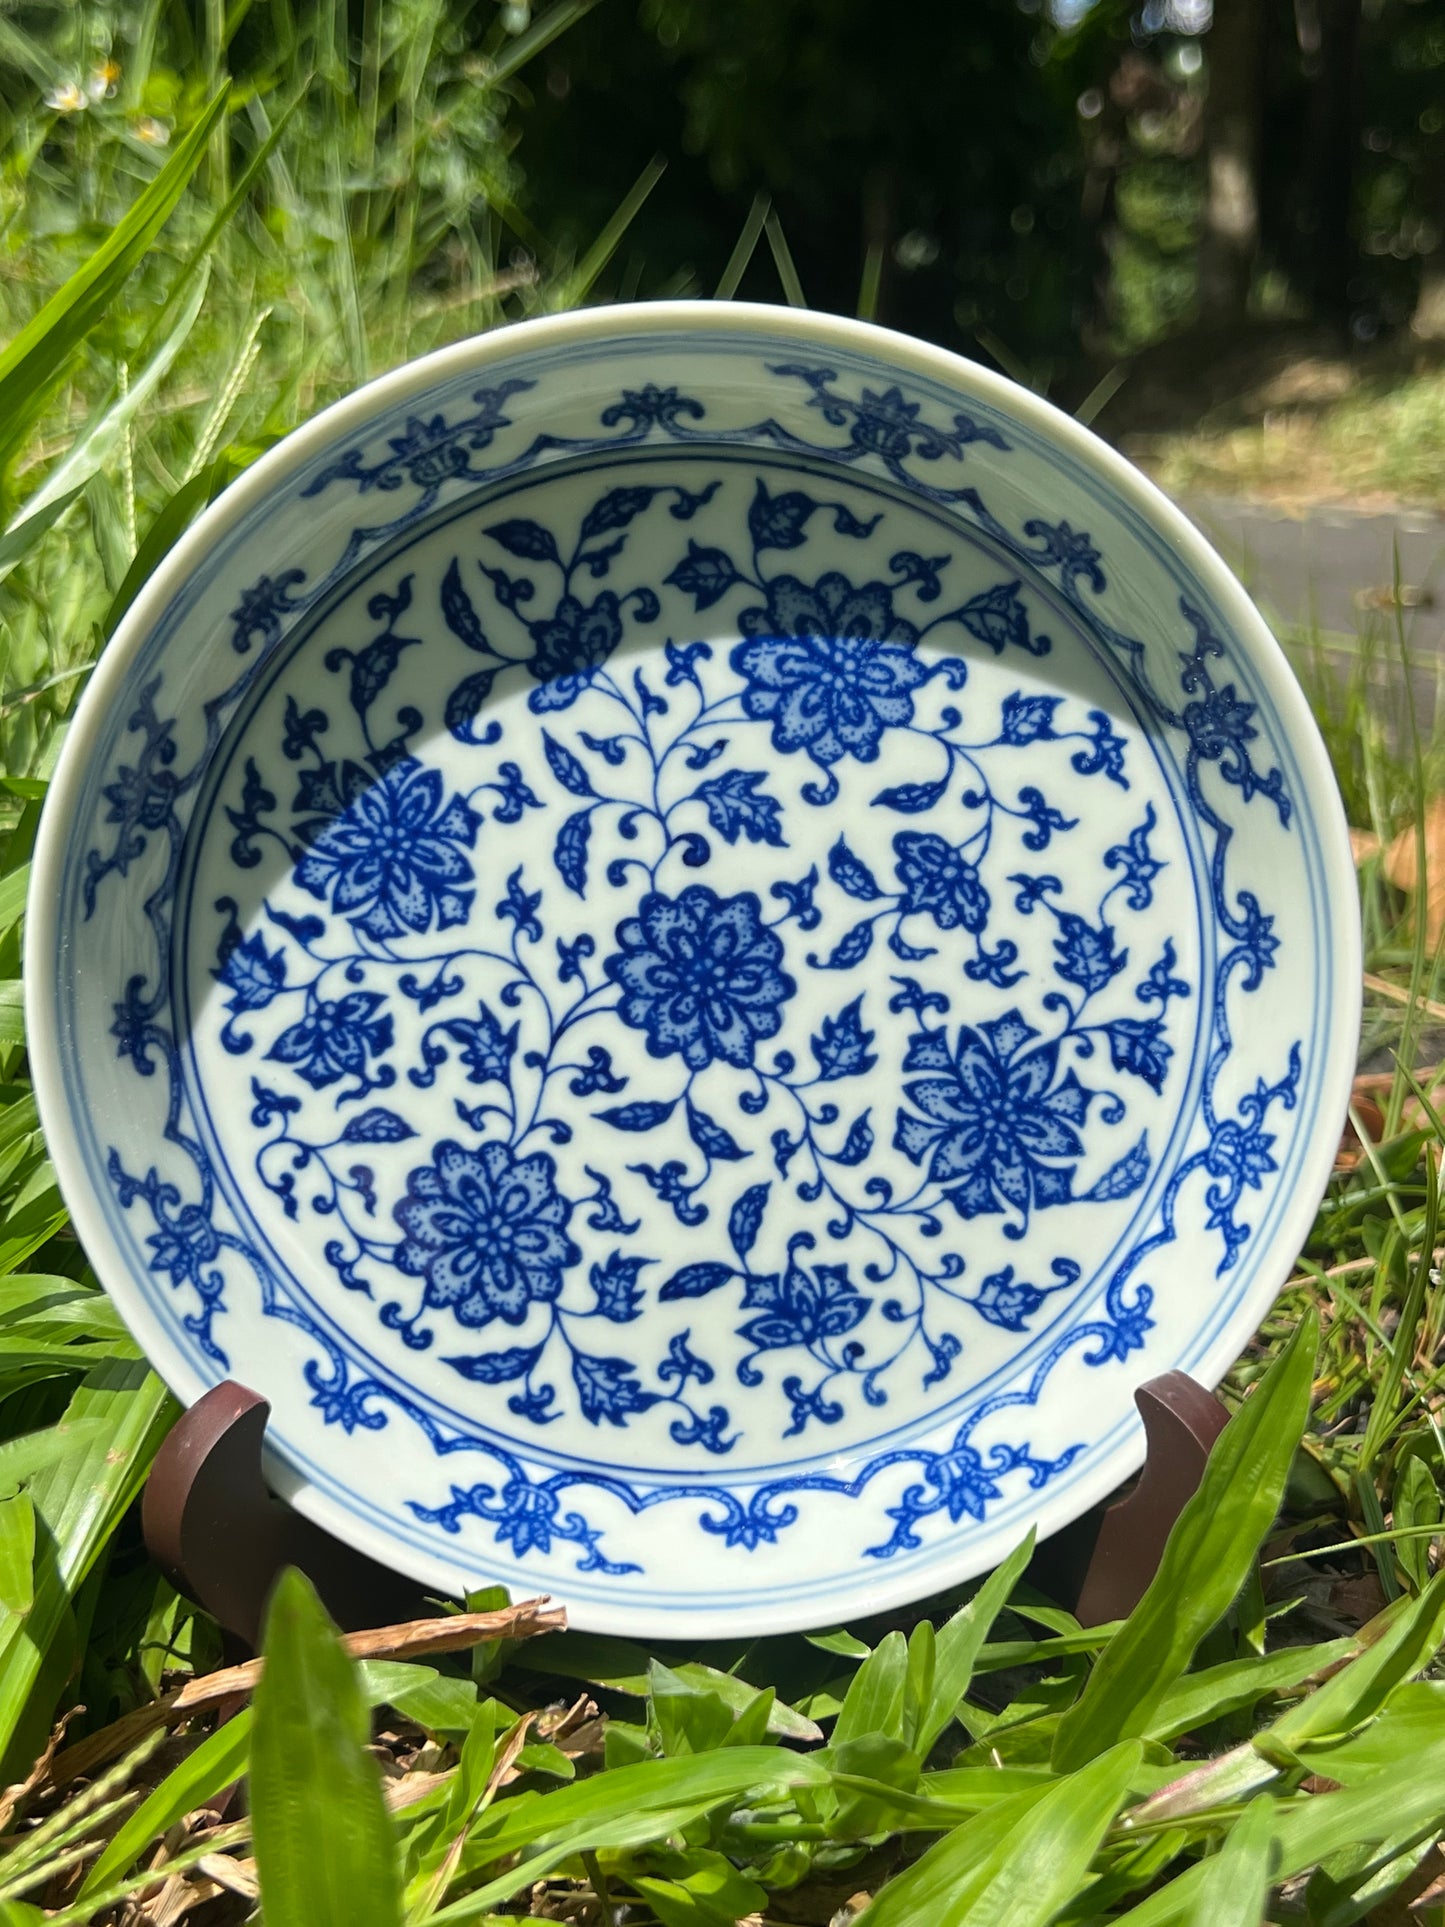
[(222, 1538)]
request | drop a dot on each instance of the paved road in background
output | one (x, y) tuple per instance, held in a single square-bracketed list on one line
[(1333, 566)]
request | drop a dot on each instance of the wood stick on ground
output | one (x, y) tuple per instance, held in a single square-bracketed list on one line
[(1399, 994), (414, 1639)]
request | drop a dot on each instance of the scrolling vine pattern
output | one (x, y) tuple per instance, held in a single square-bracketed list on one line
[(995, 1119)]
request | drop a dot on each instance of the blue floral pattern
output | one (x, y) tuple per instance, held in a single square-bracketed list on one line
[(830, 666), (392, 860), (1000, 1128), (704, 1110), (487, 1230), (700, 975)]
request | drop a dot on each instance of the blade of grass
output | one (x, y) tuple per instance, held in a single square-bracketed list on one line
[(743, 248), (783, 260), (35, 359), (1204, 1562)]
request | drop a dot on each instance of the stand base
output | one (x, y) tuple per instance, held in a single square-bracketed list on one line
[(222, 1539)]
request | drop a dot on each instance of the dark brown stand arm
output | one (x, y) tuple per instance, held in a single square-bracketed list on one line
[(1101, 1566), (221, 1537)]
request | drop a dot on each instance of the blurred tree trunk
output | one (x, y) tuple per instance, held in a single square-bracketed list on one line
[(1332, 143), (1428, 320), (1234, 48)]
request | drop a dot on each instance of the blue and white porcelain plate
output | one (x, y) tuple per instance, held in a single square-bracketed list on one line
[(695, 936)]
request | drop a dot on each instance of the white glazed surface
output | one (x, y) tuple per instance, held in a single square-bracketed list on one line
[(716, 1133)]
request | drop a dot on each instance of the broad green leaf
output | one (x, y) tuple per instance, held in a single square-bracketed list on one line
[(1360, 1689), (17, 1553), (1235, 1883), (21, 537), (874, 1702), (703, 1890), (1399, 1794), (847, 1645), (629, 1806), (881, 1769), (1209, 1551), (1017, 1865), (1207, 1695), (215, 1764), (170, 524), (1402, 1641), (1344, 1889), (12, 1013), (94, 443), (959, 1644), (12, 900), (688, 1718), (37, 356), (623, 1667), (1416, 1504), (325, 1846), (125, 1412), (22, 1458), (441, 1703)]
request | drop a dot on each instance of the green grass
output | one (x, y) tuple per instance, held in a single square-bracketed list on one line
[(1263, 1738), (1383, 438)]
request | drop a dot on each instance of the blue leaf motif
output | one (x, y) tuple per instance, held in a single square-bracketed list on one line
[(799, 899), (849, 950), (487, 1046), (1086, 953), (1121, 1180), (682, 661), (998, 617), (857, 1144), (611, 749), (705, 574), (909, 566), (695, 1281), (569, 852), (459, 613), (852, 874), (746, 1218), (1028, 719), (641, 1116), (565, 767), (607, 1388), (1006, 1301), (1138, 1046), (520, 906), (1161, 984), (619, 1296), (912, 799), (597, 1074), (841, 1046), (1046, 819), (1136, 861), (377, 1126), (465, 703), (778, 521), (736, 807), (616, 509), (845, 522), (1106, 754), (496, 1368), (252, 974), (711, 1138), (802, 1307), (526, 539), (307, 929)]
